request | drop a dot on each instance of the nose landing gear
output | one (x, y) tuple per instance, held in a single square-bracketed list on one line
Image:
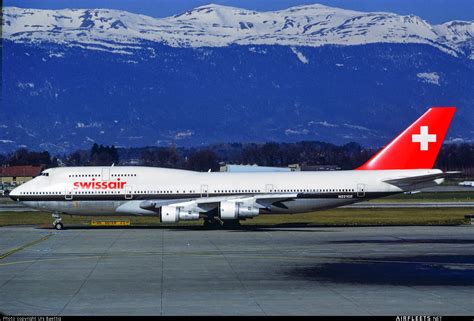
[(57, 221)]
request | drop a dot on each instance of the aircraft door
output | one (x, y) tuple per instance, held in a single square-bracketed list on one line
[(204, 191), (105, 174), (269, 188), (68, 195), (360, 190), (128, 193)]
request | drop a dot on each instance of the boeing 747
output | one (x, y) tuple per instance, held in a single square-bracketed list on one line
[(404, 165)]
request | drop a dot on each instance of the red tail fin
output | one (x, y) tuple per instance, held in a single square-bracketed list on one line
[(418, 146)]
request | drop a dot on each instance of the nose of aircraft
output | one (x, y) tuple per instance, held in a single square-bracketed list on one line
[(14, 194)]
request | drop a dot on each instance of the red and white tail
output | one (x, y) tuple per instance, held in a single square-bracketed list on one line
[(417, 146)]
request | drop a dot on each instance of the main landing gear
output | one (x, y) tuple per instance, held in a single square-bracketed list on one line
[(216, 222), (211, 224), (213, 221), (57, 221)]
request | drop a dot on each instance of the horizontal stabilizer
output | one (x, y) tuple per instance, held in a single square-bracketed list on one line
[(413, 180)]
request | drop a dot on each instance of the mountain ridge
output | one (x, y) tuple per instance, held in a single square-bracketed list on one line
[(66, 88), (217, 25)]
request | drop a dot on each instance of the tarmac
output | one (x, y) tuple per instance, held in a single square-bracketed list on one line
[(406, 270)]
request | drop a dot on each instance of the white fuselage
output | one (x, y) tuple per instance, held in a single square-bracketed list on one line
[(122, 190)]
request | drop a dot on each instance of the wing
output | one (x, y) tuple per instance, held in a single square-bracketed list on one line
[(208, 203)]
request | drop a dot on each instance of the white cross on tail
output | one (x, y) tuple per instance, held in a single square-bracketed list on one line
[(423, 138)]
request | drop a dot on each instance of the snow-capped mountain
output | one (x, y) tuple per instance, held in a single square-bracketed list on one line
[(216, 26), (221, 74)]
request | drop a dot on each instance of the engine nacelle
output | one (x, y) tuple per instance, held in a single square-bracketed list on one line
[(174, 214), (235, 209)]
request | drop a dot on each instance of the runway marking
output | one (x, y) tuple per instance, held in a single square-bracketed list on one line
[(162, 271), (242, 284), (2, 256), (90, 273), (255, 256), (52, 259)]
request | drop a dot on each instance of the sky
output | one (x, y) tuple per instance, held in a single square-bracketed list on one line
[(433, 11)]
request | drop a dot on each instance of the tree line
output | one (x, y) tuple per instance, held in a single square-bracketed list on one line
[(98, 155), (307, 153)]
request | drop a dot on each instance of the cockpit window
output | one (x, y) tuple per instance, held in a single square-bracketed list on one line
[(44, 174)]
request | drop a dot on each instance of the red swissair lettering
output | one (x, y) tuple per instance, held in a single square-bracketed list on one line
[(99, 185)]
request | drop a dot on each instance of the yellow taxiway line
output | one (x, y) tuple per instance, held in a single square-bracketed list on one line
[(4, 255)]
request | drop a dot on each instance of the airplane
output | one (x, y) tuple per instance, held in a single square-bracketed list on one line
[(403, 166)]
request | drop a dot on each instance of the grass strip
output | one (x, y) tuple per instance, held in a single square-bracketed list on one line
[(349, 217)]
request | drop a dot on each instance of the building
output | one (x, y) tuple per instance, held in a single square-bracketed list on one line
[(291, 168), (16, 175), (320, 168), (255, 168)]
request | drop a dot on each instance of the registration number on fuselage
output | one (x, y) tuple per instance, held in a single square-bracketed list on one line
[(344, 196)]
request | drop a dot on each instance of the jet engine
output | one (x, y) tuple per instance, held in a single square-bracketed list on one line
[(235, 209), (174, 214)]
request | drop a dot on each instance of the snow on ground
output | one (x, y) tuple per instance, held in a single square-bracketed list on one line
[(322, 123), (429, 77), (300, 55)]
